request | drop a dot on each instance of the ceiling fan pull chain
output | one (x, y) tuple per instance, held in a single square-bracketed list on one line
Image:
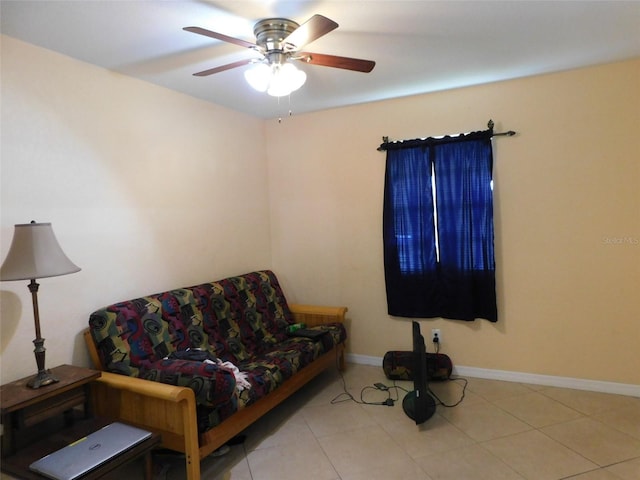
[(290, 110)]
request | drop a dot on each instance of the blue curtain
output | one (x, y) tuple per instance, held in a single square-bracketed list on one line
[(438, 250)]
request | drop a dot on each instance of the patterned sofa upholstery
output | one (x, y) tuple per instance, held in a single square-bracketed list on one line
[(226, 341)]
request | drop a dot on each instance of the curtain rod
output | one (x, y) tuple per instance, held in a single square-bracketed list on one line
[(508, 133), (490, 125)]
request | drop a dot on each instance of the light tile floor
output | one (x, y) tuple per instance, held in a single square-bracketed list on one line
[(501, 430)]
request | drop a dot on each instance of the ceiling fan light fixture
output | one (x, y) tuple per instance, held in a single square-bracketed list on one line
[(259, 77), (285, 78), (278, 80)]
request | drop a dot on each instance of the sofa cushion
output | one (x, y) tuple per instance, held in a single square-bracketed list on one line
[(130, 335), (184, 320), (243, 315), (268, 370), (134, 334), (234, 318), (213, 385)]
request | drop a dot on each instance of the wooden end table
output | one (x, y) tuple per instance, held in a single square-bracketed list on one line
[(37, 422)]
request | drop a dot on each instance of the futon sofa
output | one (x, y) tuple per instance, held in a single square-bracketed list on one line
[(200, 364)]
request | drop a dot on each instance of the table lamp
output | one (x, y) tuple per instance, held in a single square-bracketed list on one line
[(35, 253)]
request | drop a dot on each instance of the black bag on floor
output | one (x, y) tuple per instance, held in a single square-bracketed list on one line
[(398, 365)]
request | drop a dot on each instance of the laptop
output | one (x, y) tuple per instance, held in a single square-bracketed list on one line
[(89, 452)]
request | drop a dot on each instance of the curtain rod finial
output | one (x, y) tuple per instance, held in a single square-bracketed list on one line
[(490, 124)]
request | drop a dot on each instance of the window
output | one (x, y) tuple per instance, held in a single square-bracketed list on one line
[(438, 228)]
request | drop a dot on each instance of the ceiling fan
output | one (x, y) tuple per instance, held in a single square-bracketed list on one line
[(280, 41)]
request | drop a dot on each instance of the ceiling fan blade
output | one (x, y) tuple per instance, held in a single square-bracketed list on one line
[(334, 61), (220, 36), (311, 30), (222, 68)]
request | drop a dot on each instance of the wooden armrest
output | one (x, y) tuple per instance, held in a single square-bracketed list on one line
[(165, 409), (313, 315), (147, 388)]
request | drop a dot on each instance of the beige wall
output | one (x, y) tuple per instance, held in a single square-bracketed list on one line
[(147, 190), (566, 190)]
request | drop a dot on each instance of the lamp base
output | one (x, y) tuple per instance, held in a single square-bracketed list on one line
[(42, 379)]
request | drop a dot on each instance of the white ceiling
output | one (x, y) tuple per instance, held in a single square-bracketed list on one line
[(419, 46)]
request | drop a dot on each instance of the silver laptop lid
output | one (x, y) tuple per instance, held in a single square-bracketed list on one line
[(89, 452)]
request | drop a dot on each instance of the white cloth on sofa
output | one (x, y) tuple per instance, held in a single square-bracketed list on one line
[(202, 355), (241, 377)]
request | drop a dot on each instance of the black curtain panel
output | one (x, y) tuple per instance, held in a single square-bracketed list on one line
[(438, 228)]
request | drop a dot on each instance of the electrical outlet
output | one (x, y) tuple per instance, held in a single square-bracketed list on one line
[(435, 332)]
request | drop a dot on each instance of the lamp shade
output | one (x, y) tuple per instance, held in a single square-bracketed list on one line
[(35, 253)]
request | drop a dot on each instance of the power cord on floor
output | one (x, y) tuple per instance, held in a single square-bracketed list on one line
[(380, 387), (456, 380), (345, 396), (436, 346), (390, 401)]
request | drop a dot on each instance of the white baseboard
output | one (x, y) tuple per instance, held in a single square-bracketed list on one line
[(520, 377), (364, 359)]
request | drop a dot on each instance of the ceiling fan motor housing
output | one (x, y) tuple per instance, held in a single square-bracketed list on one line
[(271, 33)]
